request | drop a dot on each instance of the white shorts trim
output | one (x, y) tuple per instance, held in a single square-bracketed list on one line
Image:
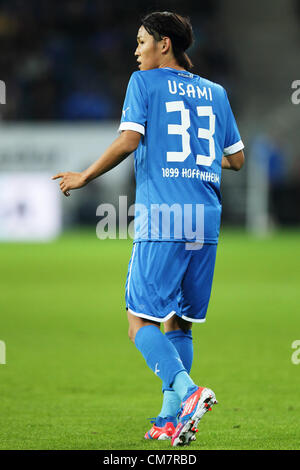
[(129, 276), (234, 148), (162, 320), (149, 317), (194, 320), (132, 126)]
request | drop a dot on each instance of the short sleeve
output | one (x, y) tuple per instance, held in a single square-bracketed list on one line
[(134, 112), (233, 142)]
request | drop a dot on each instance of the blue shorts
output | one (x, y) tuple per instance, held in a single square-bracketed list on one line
[(164, 279)]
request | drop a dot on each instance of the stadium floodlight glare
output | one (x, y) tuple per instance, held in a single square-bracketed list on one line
[(2, 92)]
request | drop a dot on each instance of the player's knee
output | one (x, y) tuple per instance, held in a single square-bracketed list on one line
[(175, 323), (184, 325), (131, 333)]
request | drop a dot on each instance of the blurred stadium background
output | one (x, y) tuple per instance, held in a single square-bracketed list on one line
[(66, 65)]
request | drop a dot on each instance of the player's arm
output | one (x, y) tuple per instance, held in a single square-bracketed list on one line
[(234, 161), (124, 145)]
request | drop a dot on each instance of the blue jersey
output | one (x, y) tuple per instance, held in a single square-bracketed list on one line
[(187, 125)]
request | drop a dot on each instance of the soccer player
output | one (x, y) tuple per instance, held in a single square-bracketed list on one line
[(183, 132)]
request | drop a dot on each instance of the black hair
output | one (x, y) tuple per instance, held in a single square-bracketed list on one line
[(178, 28)]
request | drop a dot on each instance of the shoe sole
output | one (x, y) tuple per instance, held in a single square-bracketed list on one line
[(189, 429), (162, 437)]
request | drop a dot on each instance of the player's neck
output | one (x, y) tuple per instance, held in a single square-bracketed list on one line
[(171, 64)]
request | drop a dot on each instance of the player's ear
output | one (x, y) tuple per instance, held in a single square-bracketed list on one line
[(166, 44)]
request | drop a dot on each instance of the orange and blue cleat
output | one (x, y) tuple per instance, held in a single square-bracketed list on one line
[(194, 406), (162, 429)]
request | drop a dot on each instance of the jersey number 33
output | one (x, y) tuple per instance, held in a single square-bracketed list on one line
[(182, 130)]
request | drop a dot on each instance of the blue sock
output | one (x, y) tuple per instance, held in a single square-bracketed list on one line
[(183, 384), (160, 354), (183, 342), (170, 405)]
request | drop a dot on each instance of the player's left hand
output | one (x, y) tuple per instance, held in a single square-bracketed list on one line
[(70, 180)]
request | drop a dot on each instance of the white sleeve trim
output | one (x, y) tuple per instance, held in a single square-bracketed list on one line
[(234, 148), (132, 126)]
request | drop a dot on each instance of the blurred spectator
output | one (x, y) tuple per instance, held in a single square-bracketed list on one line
[(271, 158)]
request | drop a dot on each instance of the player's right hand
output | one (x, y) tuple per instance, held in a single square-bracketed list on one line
[(70, 180)]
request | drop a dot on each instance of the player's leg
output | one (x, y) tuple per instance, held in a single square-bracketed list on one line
[(135, 323), (179, 332), (163, 359), (152, 289), (194, 299), (160, 354), (155, 274), (163, 427)]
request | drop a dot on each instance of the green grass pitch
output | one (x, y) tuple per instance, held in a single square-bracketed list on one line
[(72, 379)]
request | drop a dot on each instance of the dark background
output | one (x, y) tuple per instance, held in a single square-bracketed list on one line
[(67, 61)]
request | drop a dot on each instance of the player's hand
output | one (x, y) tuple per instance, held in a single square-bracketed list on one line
[(70, 180)]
